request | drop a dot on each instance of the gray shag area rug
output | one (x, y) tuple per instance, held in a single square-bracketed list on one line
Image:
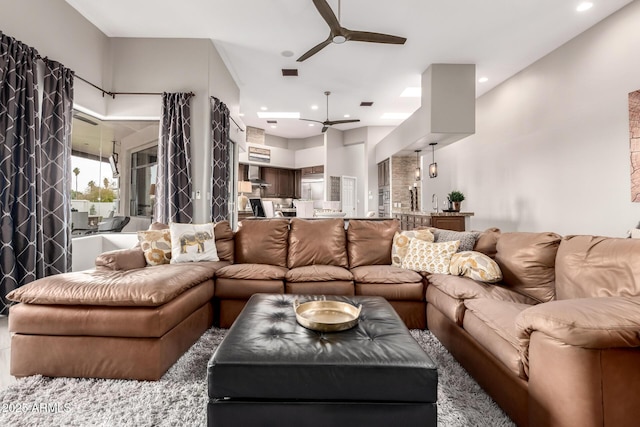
[(179, 398)]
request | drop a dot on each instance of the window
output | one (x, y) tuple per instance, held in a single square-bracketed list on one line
[(144, 169)]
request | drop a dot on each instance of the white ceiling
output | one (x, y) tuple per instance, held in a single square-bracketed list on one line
[(500, 36)]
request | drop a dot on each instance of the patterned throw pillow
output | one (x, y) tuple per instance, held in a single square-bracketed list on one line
[(476, 266), (467, 238), (401, 244), (429, 257), (192, 242), (156, 245)]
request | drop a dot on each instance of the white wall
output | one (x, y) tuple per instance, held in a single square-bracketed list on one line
[(551, 149)]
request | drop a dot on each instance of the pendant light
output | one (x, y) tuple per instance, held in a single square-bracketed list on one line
[(417, 173), (433, 167)]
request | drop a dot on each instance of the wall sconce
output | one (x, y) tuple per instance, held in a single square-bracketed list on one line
[(433, 167), (417, 173)]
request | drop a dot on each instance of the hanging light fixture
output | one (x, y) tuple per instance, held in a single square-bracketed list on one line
[(433, 167), (417, 173)]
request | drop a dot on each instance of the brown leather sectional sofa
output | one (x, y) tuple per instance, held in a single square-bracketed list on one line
[(557, 342)]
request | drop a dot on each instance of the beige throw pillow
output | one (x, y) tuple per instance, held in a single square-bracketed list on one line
[(476, 266), (156, 245), (429, 257), (401, 241), (192, 243)]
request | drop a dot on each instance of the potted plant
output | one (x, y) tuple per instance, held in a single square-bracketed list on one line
[(456, 197)]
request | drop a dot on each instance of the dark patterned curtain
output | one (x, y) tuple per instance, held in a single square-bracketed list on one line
[(55, 167), (220, 160), (173, 184), (21, 258)]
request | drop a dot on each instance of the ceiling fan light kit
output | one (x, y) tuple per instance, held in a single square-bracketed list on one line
[(339, 34)]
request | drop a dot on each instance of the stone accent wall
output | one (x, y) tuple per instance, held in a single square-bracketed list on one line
[(402, 177), (634, 144)]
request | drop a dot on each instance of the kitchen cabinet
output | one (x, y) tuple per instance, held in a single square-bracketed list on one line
[(384, 178), (280, 182), (409, 221), (313, 170), (455, 223), (297, 184), (243, 172)]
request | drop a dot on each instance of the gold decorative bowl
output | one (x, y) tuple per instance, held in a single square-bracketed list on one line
[(327, 316)]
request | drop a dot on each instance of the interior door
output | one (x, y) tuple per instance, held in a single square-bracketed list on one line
[(348, 195)]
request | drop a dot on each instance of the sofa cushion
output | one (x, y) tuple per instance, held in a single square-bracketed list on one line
[(392, 291), (192, 243), (252, 272), (369, 242), (592, 266), (467, 238), (149, 286), (401, 241), (122, 259), (492, 324), (476, 266), (318, 273), (463, 288), (156, 246), (428, 256), (262, 241), (487, 241), (452, 308), (384, 274), (527, 261), (242, 289), (313, 242)]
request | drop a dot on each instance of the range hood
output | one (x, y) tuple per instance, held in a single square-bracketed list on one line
[(447, 113), (254, 177)]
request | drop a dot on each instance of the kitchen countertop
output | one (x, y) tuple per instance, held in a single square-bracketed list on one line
[(416, 213)]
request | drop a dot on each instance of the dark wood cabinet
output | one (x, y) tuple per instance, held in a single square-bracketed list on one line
[(297, 184), (384, 178), (455, 223), (410, 221), (243, 172), (280, 182), (313, 170)]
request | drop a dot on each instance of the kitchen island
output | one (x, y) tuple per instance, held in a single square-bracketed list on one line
[(410, 220)]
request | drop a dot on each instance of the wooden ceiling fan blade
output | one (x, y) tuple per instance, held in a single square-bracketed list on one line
[(365, 36), (317, 48), (310, 120), (328, 15), (339, 122), (324, 129)]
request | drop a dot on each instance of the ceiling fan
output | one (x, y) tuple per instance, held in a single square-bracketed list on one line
[(339, 34), (327, 123)]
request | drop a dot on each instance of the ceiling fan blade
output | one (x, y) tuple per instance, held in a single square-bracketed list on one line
[(328, 15), (365, 36), (314, 50), (339, 122), (310, 120), (324, 129)]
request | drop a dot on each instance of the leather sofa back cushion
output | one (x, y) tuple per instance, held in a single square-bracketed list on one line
[(592, 266), (527, 261), (262, 241), (223, 235), (487, 241), (313, 242), (369, 242)]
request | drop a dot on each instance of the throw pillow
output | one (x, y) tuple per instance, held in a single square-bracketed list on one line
[(429, 257), (476, 266), (192, 243), (156, 245), (400, 244), (467, 238)]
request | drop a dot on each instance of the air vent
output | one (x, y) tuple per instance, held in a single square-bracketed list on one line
[(366, 103), (272, 122), (287, 72)]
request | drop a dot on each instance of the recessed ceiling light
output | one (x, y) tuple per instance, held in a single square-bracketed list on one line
[(314, 107), (241, 114), (395, 116), (483, 79), (263, 108), (412, 92), (278, 115), (273, 126), (311, 124), (585, 5), (346, 116)]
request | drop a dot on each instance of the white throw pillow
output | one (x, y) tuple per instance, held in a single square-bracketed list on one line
[(401, 241), (429, 257), (192, 242), (476, 266)]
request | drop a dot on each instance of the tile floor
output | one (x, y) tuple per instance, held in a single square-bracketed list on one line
[(5, 353)]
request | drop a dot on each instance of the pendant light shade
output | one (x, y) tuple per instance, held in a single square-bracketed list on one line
[(433, 167), (417, 173)]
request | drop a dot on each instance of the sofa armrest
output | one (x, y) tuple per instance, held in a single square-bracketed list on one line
[(591, 323), (122, 259)]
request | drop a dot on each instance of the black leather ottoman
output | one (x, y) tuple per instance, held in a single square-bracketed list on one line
[(270, 371)]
